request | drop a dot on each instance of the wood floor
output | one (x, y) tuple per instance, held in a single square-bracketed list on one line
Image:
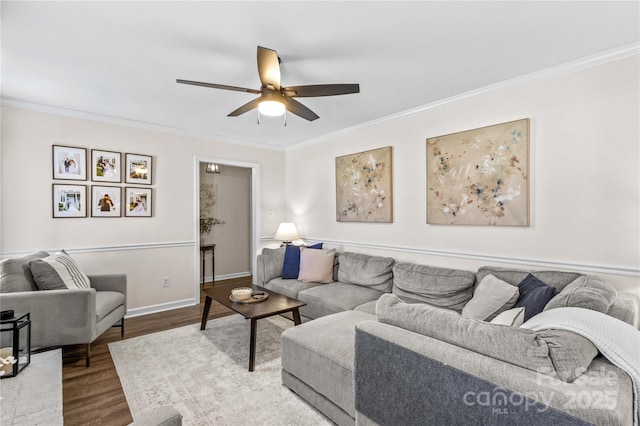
[(94, 396)]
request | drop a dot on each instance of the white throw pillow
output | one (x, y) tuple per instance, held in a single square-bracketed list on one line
[(513, 317), (316, 266), (491, 297)]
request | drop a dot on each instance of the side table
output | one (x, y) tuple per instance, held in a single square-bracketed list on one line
[(203, 250)]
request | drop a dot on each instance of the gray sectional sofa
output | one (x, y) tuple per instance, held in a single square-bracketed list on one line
[(386, 344)]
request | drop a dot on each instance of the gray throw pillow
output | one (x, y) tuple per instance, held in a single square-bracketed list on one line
[(562, 355), (369, 271), (588, 292), (490, 298), (58, 271), (273, 260), (443, 287), (15, 274)]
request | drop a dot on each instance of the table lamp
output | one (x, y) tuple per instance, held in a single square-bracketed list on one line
[(286, 233)]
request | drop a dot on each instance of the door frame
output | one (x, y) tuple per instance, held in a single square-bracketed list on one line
[(254, 232)]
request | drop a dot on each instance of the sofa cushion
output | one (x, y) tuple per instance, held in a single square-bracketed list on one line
[(514, 276), (587, 291), (336, 297), (513, 318), (443, 287), (316, 265), (289, 288), (364, 270), (291, 264), (320, 354), (550, 352), (107, 302), (15, 274), (534, 296), (490, 298), (272, 261), (58, 271)]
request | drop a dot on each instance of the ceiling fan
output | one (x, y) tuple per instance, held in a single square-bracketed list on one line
[(274, 98)]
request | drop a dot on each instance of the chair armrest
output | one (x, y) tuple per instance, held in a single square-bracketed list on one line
[(109, 282), (58, 317)]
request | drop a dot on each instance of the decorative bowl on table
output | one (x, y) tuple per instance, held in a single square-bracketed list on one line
[(242, 293)]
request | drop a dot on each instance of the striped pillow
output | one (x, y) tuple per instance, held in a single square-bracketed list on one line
[(56, 272)]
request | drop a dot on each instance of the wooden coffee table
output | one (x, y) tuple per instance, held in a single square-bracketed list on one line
[(276, 304)]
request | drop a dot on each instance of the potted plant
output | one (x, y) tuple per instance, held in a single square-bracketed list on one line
[(207, 201)]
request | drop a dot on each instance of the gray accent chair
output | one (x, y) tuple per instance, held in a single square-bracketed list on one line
[(63, 317)]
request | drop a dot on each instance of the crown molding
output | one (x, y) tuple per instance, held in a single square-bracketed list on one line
[(30, 106), (586, 62)]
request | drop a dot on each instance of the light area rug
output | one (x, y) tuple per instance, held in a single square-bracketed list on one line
[(204, 374), (34, 396)]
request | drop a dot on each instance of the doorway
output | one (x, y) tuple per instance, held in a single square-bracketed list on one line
[(234, 188)]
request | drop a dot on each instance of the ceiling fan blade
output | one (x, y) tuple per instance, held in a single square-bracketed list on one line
[(320, 90), (245, 108), (218, 86), (269, 68), (300, 110)]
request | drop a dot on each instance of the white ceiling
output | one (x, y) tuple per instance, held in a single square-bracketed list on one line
[(121, 59)]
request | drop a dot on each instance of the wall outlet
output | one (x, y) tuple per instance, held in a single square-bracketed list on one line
[(165, 281), (270, 214)]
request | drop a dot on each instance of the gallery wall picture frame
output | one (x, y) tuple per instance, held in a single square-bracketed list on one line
[(106, 166), (69, 200), (138, 202), (106, 201), (69, 162), (480, 177), (138, 169), (364, 186)]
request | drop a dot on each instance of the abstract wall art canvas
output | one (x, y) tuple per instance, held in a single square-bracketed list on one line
[(480, 176), (364, 187)]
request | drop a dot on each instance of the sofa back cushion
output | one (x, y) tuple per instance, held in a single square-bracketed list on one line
[(443, 287), (15, 274), (558, 353), (369, 271)]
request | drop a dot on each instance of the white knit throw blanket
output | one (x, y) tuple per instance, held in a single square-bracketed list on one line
[(618, 341)]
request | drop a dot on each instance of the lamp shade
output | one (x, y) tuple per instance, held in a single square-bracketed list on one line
[(287, 232)]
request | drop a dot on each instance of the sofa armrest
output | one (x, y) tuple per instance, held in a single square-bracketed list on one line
[(58, 317), (109, 282), (402, 377)]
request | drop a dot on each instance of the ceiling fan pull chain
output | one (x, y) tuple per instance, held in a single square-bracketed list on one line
[(284, 117)]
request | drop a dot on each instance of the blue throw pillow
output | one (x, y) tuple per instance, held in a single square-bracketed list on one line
[(291, 265), (534, 296)]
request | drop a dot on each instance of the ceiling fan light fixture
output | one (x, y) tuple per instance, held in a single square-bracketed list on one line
[(271, 108)]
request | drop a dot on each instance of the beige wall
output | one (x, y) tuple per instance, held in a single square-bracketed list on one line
[(233, 205), (585, 170), (147, 249)]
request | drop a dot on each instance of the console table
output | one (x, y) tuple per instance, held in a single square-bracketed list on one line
[(204, 249)]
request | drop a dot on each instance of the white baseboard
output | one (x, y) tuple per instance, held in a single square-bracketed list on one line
[(161, 307), (227, 276)]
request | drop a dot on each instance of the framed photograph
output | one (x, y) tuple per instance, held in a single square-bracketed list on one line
[(138, 169), (138, 202), (105, 201), (69, 163), (364, 187), (480, 176), (106, 166), (69, 200)]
